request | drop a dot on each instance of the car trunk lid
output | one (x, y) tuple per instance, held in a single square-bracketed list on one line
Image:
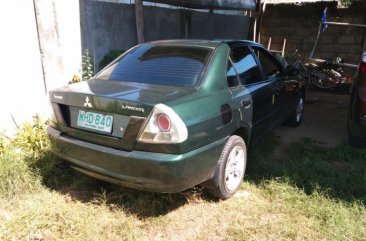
[(121, 109)]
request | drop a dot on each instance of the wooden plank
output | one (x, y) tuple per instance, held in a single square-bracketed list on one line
[(347, 24), (139, 21)]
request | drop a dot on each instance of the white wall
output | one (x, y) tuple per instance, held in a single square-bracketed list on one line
[(22, 88)]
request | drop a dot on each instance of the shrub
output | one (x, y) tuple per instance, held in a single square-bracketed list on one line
[(87, 65), (32, 140), (24, 158)]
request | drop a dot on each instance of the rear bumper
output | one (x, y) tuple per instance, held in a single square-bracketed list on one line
[(157, 172)]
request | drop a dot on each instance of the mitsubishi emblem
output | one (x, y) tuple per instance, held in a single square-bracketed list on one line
[(87, 103)]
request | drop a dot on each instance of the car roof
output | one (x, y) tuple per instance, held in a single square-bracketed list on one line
[(203, 43)]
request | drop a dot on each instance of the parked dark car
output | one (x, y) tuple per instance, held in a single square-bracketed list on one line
[(357, 107), (168, 115)]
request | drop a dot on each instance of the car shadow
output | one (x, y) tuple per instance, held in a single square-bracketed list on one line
[(336, 172), (79, 187)]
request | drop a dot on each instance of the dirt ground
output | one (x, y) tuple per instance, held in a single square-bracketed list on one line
[(325, 120)]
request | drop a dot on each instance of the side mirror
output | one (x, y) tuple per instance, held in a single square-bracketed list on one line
[(292, 70)]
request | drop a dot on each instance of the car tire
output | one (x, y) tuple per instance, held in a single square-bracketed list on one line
[(230, 169), (296, 117)]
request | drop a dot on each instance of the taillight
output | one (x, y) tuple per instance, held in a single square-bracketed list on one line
[(362, 67), (164, 122), (163, 126)]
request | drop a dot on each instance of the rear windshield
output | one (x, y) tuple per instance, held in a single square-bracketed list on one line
[(159, 64)]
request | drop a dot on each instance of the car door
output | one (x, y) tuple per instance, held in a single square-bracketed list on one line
[(249, 88), (274, 74)]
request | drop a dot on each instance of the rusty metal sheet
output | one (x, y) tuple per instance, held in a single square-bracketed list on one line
[(211, 4)]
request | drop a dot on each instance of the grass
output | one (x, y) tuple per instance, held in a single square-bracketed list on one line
[(303, 191), (339, 171)]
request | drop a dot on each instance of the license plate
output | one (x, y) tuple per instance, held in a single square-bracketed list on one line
[(95, 121)]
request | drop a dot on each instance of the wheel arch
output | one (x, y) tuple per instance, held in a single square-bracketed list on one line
[(244, 133)]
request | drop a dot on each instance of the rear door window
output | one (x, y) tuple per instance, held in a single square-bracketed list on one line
[(160, 64), (245, 65), (272, 69)]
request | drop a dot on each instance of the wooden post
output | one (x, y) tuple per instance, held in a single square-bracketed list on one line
[(139, 21), (316, 41), (260, 19), (364, 37), (211, 26), (283, 48), (185, 16), (255, 29)]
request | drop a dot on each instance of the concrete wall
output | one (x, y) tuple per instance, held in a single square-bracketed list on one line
[(60, 40), (23, 87), (299, 24), (106, 26)]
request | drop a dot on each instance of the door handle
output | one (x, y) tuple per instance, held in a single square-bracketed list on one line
[(276, 91)]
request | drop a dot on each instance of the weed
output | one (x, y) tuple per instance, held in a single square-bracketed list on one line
[(16, 177), (19, 158), (32, 139), (4, 142)]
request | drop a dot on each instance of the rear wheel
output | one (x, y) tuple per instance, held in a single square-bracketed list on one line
[(230, 169), (327, 80)]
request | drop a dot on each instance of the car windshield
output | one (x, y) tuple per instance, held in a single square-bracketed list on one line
[(159, 64)]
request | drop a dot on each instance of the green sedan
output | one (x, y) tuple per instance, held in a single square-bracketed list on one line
[(168, 115)]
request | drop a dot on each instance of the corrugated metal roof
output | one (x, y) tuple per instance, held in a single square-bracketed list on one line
[(295, 1), (212, 4)]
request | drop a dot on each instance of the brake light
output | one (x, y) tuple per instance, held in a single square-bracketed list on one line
[(362, 67), (163, 126), (164, 122)]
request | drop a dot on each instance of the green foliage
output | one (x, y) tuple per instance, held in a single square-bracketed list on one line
[(23, 158), (87, 65), (348, 3), (32, 140), (112, 55)]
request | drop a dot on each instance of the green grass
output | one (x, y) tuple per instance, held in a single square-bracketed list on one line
[(298, 192), (340, 171), (16, 178)]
